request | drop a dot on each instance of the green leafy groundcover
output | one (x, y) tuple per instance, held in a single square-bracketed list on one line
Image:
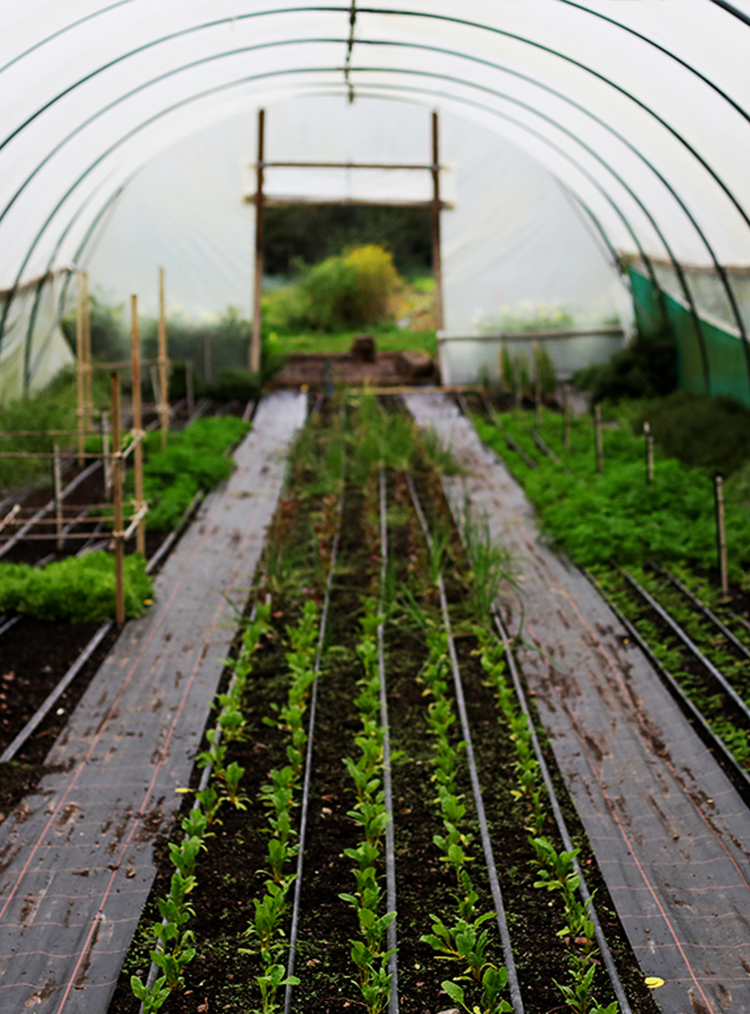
[(193, 459), (75, 590), (593, 517)]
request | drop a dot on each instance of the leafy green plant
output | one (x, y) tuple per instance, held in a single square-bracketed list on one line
[(193, 459), (74, 590), (594, 517)]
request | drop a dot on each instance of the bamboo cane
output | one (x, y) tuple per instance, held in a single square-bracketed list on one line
[(598, 439), (189, 391), (80, 367), (566, 417), (106, 456), (163, 365), (117, 496), (721, 535), (88, 408), (649, 453), (135, 353), (57, 487), (537, 385)]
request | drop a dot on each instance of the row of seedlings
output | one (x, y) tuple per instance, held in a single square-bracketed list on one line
[(582, 957), (173, 943), (236, 956), (711, 669)]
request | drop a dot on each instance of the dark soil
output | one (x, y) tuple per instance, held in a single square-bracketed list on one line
[(231, 874)]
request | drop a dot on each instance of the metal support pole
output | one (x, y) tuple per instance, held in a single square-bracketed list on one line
[(57, 487), (721, 534), (80, 387), (437, 262), (88, 373), (163, 365), (598, 439), (566, 417), (135, 352), (117, 496), (649, 453), (259, 223)]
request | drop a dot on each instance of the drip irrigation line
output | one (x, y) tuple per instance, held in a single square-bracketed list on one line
[(249, 410), (710, 668), (512, 445), (544, 446), (737, 775), (703, 608), (515, 991), (202, 786), (13, 748), (390, 845), (293, 931), (606, 954)]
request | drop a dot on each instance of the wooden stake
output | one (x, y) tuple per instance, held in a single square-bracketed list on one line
[(163, 365), (598, 439), (135, 352), (721, 535), (57, 486), (189, 393), (649, 454), (254, 362), (437, 259), (88, 408), (517, 381), (566, 417), (117, 496), (104, 424), (500, 364), (537, 385), (155, 386), (80, 387), (207, 371)]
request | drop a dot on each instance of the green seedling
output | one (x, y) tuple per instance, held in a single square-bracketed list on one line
[(152, 999), (578, 995), (232, 778), (463, 943), (270, 982), (494, 981)]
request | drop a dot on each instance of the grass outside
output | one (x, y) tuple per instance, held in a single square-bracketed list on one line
[(387, 337)]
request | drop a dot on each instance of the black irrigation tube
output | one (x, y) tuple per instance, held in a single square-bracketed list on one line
[(562, 827), (44, 709), (512, 445), (544, 446), (12, 749), (390, 846), (293, 931), (694, 650), (515, 991), (202, 786), (703, 608), (738, 776)]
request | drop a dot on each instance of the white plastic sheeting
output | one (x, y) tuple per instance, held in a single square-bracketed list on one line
[(510, 238), (640, 109)]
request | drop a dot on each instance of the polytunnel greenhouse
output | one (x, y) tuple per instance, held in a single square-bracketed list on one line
[(375, 506)]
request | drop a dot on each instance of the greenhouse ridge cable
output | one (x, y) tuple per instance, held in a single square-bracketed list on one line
[(293, 931), (515, 991), (614, 977), (390, 851)]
